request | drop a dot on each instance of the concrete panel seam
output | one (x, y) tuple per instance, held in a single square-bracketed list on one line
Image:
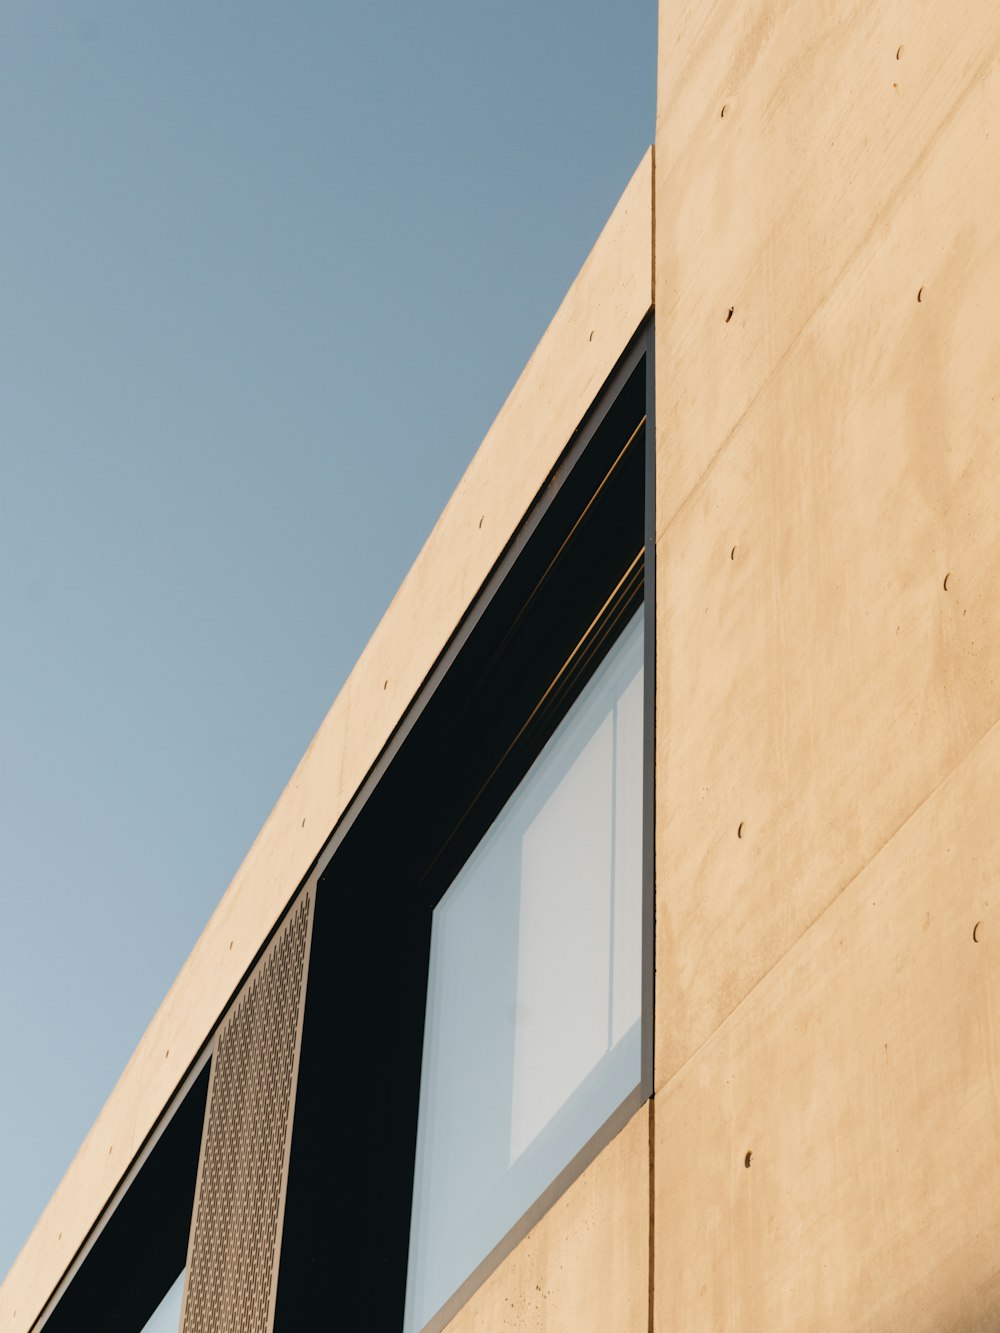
[(731, 1016), (886, 211)]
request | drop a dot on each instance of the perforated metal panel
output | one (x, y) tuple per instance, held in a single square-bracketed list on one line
[(235, 1234)]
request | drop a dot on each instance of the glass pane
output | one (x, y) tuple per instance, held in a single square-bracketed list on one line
[(532, 1034), (166, 1318)]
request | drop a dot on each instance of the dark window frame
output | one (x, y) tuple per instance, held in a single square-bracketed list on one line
[(387, 988)]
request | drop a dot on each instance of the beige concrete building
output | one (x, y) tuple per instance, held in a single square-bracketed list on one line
[(796, 941)]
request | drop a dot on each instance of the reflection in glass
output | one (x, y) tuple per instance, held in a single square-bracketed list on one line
[(166, 1318), (532, 1035)]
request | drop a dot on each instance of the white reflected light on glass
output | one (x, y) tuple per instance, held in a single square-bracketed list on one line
[(166, 1318), (532, 1033)]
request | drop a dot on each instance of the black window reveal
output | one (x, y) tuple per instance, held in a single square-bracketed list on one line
[(564, 623)]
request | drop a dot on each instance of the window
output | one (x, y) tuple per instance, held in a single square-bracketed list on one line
[(535, 991), (507, 819)]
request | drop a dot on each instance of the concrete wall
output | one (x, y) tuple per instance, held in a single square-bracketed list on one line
[(823, 1150), (828, 687)]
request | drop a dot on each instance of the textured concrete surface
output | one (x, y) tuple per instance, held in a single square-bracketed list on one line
[(863, 1077), (828, 350)]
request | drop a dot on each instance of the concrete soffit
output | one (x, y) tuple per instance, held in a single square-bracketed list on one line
[(607, 302)]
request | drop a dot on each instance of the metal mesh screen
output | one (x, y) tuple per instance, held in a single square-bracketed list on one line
[(232, 1265)]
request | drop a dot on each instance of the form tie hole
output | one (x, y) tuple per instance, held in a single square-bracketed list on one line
[(730, 315), (975, 932), (747, 1160)]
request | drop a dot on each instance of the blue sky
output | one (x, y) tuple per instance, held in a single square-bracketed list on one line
[(266, 275)]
